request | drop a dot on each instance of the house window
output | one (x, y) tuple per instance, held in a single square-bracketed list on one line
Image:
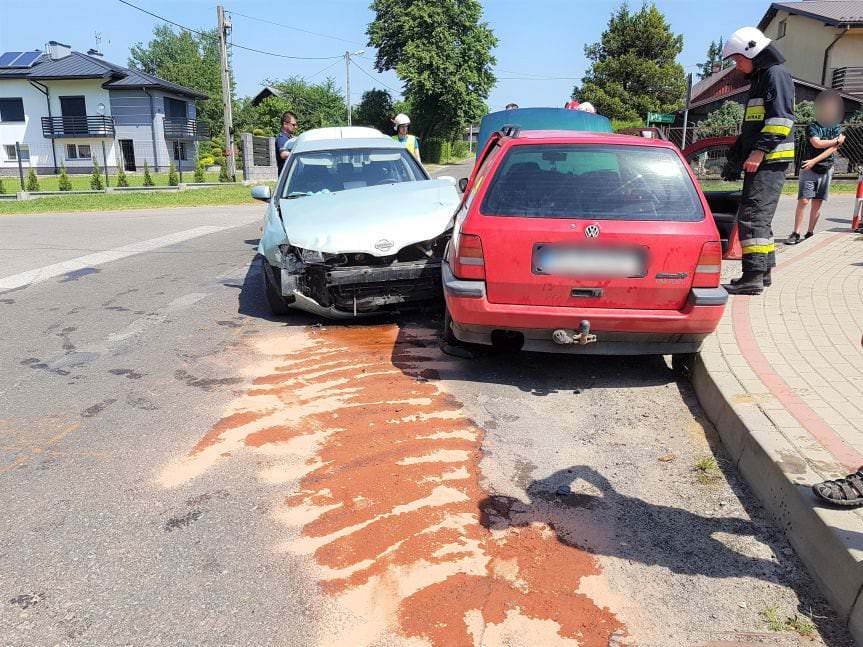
[(12, 153), (180, 151), (77, 151), (783, 24), (11, 110)]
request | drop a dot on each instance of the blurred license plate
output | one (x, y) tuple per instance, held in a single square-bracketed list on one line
[(611, 262)]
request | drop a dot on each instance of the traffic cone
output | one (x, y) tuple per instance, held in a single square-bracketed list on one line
[(857, 216), (735, 251)]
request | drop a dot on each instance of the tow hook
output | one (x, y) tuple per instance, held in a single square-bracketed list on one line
[(582, 337)]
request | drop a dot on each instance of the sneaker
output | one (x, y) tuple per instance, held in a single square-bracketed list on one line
[(808, 235), (793, 239)]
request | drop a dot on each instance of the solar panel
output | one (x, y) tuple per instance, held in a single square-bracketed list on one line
[(7, 57), (26, 59)]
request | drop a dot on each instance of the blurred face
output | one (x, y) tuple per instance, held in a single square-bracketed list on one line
[(289, 125), (403, 130), (828, 111), (743, 64)]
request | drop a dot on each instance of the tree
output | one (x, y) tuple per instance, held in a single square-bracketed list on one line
[(442, 52), (721, 122), (316, 105), (189, 59), (32, 181), (173, 179), (804, 112), (199, 173), (634, 69), (148, 179), (122, 180), (96, 177), (713, 60), (63, 182), (375, 110)]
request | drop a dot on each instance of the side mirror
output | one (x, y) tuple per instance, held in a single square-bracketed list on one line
[(448, 178), (462, 184), (261, 192)]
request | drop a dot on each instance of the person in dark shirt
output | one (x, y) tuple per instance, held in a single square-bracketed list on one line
[(285, 140), (823, 137)]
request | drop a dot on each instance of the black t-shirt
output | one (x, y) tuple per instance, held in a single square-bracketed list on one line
[(823, 133)]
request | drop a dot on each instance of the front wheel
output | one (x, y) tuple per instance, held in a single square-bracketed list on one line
[(279, 306)]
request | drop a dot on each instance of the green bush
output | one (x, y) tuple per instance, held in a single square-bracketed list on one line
[(207, 160), (258, 132), (32, 181), (223, 172), (460, 149), (63, 182), (622, 124), (173, 180), (199, 173), (148, 179), (2, 188), (96, 182), (122, 180), (436, 151)]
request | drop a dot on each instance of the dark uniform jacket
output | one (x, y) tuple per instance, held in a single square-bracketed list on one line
[(768, 123)]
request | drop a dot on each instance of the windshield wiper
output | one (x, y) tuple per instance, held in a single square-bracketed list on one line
[(297, 194)]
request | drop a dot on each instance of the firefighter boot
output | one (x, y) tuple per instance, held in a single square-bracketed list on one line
[(751, 283), (766, 280)]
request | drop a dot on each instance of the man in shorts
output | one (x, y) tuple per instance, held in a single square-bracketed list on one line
[(823, 137)]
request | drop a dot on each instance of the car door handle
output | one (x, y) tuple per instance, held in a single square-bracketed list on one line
[(586, 293)]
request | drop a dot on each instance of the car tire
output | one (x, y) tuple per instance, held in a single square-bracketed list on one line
[(447, 335), (279, 305), (681, 365)]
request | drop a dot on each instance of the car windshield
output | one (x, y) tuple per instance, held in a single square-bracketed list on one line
[(353, 168), (592, 181)]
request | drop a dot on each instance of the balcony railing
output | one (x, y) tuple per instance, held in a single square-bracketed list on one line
[(848, 79), (186, 129), (84, 126)]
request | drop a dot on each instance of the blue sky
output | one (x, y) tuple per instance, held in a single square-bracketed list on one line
[(538, 38)]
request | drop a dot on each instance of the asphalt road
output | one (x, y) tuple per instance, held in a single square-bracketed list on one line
[(180, 468)]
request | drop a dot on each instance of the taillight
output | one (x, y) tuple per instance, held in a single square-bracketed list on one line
[(466, 260), (709, 266)]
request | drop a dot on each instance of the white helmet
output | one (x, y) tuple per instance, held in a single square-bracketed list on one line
[(401, 120), (746, 41), (586, 106)]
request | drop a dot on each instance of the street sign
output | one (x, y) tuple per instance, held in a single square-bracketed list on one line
[(660, 118)]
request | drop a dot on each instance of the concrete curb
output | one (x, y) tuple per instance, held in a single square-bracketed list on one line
[(829, 541)]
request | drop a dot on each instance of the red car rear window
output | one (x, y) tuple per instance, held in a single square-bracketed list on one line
[(602, 182)]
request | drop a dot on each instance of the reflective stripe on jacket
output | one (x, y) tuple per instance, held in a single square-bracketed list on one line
[(768, 122)]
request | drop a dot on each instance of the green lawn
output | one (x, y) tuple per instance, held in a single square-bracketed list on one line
[(218, 195), (82, 182), (790, 187)]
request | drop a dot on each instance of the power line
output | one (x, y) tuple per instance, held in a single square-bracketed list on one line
[(311, 76), (551, 78), (206, 35), (305, 31), (537, 76), (361, 69)]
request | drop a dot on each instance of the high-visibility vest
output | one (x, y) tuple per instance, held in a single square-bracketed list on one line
[(410, 143)]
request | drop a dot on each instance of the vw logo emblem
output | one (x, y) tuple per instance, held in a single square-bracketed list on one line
[(591, 231), (384, 245)]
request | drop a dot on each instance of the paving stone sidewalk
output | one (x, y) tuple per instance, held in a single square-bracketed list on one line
[(782, 380)]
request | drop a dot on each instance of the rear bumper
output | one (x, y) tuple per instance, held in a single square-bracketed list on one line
[(618, 331)]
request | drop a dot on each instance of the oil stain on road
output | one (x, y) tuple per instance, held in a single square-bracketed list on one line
[(388, 499)]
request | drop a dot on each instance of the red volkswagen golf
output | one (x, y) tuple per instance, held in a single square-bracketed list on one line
[(584, 243)]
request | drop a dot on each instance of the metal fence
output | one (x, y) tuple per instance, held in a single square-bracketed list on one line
[(848, 159)]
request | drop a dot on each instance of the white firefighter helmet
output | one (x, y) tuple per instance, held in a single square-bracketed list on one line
[(746, 41), (401, 120), (586, 106)]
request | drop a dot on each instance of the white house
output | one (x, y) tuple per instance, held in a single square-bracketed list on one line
[(64, 107)]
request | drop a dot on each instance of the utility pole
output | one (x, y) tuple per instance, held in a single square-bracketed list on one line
[(686, 111), (226, 93), (348, 55), (348, 83)]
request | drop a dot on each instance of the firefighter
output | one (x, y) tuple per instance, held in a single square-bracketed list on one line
[(762, 151)]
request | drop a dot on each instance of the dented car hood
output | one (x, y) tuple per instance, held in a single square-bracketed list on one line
[(378, 220)]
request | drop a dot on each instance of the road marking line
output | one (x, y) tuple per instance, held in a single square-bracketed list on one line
[(41, 274), (38, 450)]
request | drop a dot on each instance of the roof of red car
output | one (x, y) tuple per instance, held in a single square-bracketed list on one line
[(593, 137)]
